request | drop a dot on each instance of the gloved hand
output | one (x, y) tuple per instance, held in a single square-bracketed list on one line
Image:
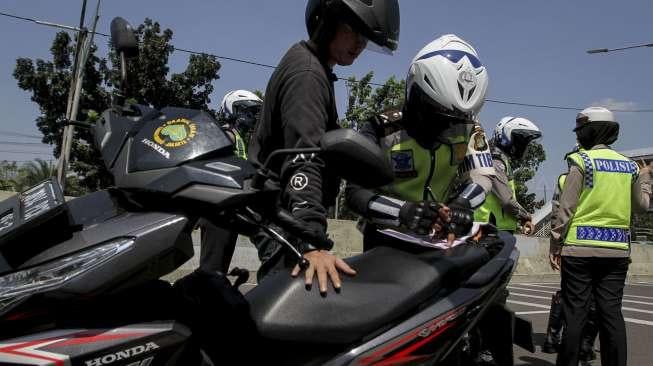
[(420, 217), (462, 220)]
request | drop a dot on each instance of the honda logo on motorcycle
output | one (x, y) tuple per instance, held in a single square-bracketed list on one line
[(123, 355)]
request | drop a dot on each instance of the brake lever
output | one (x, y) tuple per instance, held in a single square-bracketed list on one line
[(301, 261)]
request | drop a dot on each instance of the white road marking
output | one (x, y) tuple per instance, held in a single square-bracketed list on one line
[(628, 320), (551, 293), (532, 312)]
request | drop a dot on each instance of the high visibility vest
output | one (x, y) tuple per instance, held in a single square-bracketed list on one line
[(492, 207), (558, 189), (240, 147), (420, 174), (602, 218)]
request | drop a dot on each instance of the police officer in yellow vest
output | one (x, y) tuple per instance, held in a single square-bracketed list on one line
[(431, 142), (239, 111), (591, 235), (555, 327), (511, 138)]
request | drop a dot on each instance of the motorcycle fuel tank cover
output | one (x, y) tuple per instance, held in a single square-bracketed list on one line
[(176, 136)]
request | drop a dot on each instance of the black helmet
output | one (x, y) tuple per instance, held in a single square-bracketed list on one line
[(378, 20)]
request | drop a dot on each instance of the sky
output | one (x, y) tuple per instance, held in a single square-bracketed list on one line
[(534, 52)]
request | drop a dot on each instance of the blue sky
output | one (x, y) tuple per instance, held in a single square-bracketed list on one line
[(533, 50)]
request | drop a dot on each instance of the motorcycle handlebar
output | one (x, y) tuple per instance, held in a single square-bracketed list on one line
[(302, 231)]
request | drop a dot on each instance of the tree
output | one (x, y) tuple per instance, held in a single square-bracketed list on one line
[(363, 103), (8, 174), (149, 83), (524, 170)]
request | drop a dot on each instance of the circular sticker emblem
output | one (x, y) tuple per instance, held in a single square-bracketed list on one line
[(175, 133), (298, 181)]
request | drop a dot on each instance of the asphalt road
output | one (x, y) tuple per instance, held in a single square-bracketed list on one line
[(532, 300)]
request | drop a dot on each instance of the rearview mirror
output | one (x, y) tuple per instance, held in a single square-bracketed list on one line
[(356, 158), (123, 37)]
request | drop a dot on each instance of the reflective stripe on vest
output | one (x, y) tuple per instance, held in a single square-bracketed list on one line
[(240, 148), (493, 207), (418, 170), (602, 218)]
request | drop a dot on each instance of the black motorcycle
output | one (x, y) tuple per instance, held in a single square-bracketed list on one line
[(80, 280)]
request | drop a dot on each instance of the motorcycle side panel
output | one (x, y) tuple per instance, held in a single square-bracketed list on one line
[(162, 242), (157, 343)]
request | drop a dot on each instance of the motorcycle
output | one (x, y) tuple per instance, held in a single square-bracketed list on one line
[(80, 279)]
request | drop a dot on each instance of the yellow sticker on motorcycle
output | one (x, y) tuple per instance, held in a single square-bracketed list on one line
[(175, 133)]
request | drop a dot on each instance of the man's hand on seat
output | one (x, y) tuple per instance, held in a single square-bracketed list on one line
[(325, 265)]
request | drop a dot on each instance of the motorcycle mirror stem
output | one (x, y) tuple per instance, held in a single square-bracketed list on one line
[(123, 40)]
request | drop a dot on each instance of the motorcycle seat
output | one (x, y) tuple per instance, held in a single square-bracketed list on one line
[(389, 283), (491, 269)]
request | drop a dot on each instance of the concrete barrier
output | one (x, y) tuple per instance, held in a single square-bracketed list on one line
[(533, 265), (533, 262)]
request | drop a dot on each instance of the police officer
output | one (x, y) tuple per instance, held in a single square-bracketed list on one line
[(431, 142), (556, 323), (239, 111), (300, 106), (591, 235), (512, 136)]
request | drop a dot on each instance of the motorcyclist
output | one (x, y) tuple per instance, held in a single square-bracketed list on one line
[(300, 106), (512, 136), (238, 113), (432, 142)]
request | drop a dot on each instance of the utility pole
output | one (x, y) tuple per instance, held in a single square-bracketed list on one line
[(83, 50)]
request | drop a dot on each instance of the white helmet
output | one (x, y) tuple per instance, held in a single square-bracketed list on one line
[(513, 134), (596, 125), (595, 114), (240, 107), (449, 74)]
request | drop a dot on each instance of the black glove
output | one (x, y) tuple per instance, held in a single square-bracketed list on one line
[(462, 220), (419, 217)]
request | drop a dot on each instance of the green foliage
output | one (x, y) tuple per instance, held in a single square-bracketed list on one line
[(524, 171), (48, 82), (364, 102)]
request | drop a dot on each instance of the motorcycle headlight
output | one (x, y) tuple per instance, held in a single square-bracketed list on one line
[(53, 274)]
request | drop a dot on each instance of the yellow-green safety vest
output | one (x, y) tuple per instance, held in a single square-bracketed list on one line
[(602, 217), (240, 148), (420, 174), (492, 206)]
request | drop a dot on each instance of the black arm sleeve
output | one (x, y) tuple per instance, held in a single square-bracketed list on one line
[(305, 100)]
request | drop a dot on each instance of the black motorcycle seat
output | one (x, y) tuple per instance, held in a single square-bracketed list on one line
[(389, 283), (489, 271)]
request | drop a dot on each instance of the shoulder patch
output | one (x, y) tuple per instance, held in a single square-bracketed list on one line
[(403, 163)]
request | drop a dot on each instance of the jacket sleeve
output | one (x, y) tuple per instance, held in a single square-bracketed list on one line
[(305, 100), (641, 191), (568, 203), (502, 190)]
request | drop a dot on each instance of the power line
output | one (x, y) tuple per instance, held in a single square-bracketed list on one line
[(25, 152), (18, 134), (23, 143), (249, 62), (565, 108)]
